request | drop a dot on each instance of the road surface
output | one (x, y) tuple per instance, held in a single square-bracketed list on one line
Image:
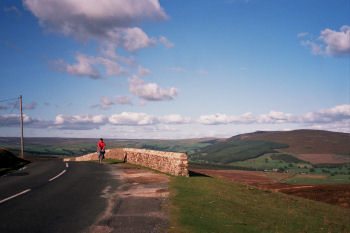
[(56, 196)]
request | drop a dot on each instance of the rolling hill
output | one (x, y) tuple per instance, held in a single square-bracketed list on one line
[(313, 146), (305, 141)]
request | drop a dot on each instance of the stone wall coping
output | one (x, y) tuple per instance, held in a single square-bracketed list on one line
[(158, 153)]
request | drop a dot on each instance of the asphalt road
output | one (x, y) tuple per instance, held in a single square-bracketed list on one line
[(54, 196)]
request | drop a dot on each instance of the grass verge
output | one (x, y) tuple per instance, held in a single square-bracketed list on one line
[(205, 204)]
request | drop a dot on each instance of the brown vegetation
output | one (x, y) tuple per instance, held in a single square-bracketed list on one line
[(306, 141), (324, 158), (335, 194)]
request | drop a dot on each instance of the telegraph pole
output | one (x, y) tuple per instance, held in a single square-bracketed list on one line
[(20, 101)]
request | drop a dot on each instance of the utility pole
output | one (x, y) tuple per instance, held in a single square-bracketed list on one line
[(20, 101)]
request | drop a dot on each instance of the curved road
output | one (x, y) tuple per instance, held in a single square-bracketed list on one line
[(53, 196)]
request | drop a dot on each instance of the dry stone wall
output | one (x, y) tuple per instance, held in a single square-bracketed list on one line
[(168, 162)]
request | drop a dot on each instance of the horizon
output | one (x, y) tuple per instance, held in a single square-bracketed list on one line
[(174, 139), (166, 70)]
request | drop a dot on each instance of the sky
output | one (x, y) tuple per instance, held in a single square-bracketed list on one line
[(166, 69)]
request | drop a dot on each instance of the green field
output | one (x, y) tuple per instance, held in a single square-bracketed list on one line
[(275, 160), (236, 149), (70, 147), (205, 204)]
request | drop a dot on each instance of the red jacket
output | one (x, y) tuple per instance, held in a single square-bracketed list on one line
[(101, 145)]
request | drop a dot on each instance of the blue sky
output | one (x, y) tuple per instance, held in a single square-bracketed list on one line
[(174, 69)]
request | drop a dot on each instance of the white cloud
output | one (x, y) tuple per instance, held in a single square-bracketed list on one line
[(143, 71), (219, 118), (105, 21), (215, 119), (336, 118), (83, 67), (13, 120), (302, 34), (246, 118), (123, 100), (8, 120), (131, 118), (316, 49), (88, 66), (177, 69), (134, 39), (342, 126), (333, 43), (338, 42), (150, 91), (335, 114), (332, 115), (112, 68), (166, 42), (274, 117), (109, 52), (79, 122), (174, 119), (106, 101)]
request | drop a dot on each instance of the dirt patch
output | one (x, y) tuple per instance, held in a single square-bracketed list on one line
[(337, 194), (324, 158), (137, 204), (333, 194), (244, 177)]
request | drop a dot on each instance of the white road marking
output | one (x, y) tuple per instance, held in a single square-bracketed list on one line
[(67, 165), (16, 195), (62, 172), (22, 168)]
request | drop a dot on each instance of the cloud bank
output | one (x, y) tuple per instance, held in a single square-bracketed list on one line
[(336, 118)]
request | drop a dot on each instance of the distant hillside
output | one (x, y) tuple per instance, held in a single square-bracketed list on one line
[(235, 149), (9, 161), (314, 146), (305, 141), (68, 147)]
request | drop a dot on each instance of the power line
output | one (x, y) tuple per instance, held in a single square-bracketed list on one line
[(9, 99)]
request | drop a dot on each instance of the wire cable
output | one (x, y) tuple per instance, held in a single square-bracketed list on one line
[(9, 99)]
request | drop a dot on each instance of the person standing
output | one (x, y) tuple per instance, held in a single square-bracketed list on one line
[(101, 150)]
